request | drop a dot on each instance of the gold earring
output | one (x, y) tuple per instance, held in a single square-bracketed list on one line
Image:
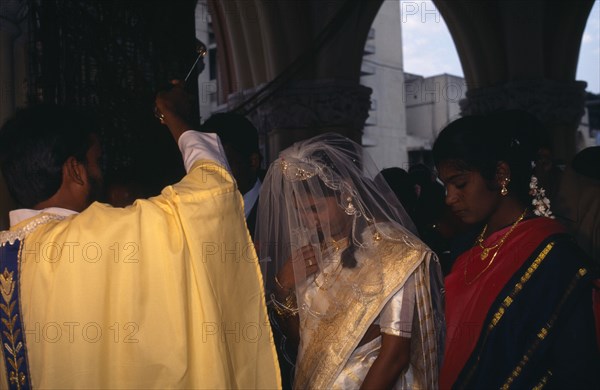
[(504, 190), (350, 209)]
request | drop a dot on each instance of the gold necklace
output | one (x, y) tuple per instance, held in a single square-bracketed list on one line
[(485, 250), (334, 245), (329, 248), (324, 286), (498, 245)]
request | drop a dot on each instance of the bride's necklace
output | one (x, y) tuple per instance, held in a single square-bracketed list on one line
[(331, 247), (325, 285), (486, 250)]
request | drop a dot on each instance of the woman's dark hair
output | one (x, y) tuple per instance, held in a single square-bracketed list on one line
[(480, 142), (34, 145)]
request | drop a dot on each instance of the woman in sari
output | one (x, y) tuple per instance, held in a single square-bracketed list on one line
[(349, 281), (518, 301)]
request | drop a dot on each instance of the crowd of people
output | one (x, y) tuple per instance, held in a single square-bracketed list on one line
[(322, 273)]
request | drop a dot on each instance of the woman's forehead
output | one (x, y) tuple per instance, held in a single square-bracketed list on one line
[(450, 169)]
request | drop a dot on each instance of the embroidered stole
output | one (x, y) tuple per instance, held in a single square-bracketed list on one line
[(14, 349)]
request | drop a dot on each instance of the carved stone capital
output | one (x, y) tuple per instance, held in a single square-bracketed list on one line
[(551, 102), (304, 109), (313, 104)]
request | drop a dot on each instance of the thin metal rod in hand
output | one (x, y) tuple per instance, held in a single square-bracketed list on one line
[(201, 49), (193, 66)]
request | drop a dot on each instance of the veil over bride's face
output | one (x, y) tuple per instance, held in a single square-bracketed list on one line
[(323, 214), (323, 193)]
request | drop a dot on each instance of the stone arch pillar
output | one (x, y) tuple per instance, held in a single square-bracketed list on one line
[(8, 32), (12, 73), (522, 54), (262, 42)]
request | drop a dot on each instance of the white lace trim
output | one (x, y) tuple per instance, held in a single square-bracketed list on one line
[(10, 236)]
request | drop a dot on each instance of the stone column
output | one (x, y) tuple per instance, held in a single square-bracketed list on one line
[(8, 32), (522, 54)]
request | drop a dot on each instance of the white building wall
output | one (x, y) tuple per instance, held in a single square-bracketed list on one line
[(431, 103), (207, 88), (384, 135), (583, 137)]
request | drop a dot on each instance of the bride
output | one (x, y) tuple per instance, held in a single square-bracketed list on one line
[(348, 280)]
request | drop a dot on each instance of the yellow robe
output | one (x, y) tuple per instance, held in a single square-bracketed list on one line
[(164, 294)]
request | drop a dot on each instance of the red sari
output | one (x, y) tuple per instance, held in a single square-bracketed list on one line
[(470, 295)]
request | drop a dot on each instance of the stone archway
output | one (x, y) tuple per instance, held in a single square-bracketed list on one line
[(522, 54), (300, 62)]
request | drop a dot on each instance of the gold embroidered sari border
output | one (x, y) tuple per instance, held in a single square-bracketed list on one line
[(540, 385), (519, 286), (507, 301), (543, 333), (321, 375)]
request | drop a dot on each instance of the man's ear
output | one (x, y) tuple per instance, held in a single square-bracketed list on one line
[(254, 161), (74, 171)]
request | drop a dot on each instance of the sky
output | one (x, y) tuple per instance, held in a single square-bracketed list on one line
[(428, 48)]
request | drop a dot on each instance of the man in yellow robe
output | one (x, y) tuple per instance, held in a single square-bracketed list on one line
[(165, 293)]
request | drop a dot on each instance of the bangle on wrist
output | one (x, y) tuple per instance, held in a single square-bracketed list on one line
[(278, 283), (287, 309)]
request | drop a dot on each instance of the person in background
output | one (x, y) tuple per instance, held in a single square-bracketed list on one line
[(548, 171), (350, 282), (518, 300), (577, 206), (148, 296), (577, 203), (424, 202), (240, 141), (404, 188), (422, 176), (438, 226)]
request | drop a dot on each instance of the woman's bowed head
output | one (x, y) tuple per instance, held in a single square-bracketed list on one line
[(485, 163)]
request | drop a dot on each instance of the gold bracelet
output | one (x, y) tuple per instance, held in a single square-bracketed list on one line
[(278, 283), (287, 309)]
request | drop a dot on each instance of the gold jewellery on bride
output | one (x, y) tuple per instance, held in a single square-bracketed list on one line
[(324, 286), (486, 250), (331, 247), (335, 245)]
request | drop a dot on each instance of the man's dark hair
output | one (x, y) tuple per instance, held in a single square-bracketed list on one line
[(34, 145), (234, 130)]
